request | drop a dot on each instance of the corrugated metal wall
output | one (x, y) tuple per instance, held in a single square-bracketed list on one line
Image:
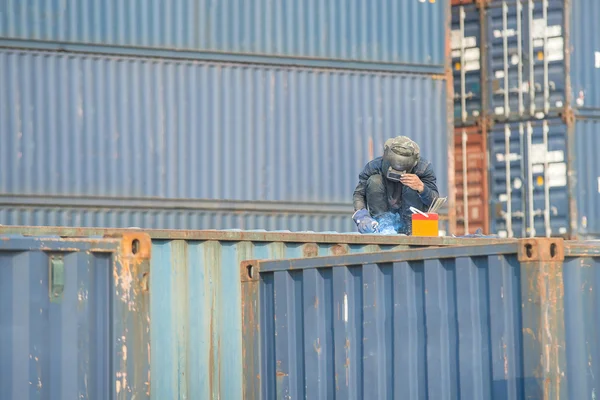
[(481, 322), (72, 320), (130, 128), (409, 330), (585, 56), (382, 31), (327, 219), (581, 286), (586, 176), (195, 297)]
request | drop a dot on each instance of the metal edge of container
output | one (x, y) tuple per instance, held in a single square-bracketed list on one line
[(252, 236)]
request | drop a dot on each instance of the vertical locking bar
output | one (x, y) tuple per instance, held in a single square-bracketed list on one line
[(509, 229), (546, 186), (530, 181), (520, 55), (531, 60), (56, 277), (465, 181), (463, 74), (546, 78), (523, 179), (505, 49)]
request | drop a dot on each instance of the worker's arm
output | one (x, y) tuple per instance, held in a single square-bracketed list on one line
[(360, 201), (430, 190)]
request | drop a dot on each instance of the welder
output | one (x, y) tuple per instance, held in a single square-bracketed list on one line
[(389, 185)]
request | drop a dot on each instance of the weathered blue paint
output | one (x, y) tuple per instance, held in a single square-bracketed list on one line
[(387, 326), (196, 325), (85, 340), (585, 56), (134, 133), (484, 321), (586, 176), (466, 64), (384, 31)]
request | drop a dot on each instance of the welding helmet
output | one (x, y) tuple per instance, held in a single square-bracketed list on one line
[(400, 156)]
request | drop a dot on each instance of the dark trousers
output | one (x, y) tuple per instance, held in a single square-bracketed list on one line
[(376, 195)]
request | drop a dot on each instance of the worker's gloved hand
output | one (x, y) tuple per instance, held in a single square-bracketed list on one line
[(364, 222)]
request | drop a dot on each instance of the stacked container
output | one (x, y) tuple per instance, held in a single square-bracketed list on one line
[(194, 115), (540, 103)]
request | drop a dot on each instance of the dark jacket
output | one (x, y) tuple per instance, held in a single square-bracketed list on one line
[(405, 196)]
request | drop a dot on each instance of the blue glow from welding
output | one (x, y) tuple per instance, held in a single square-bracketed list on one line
[(389, 223)]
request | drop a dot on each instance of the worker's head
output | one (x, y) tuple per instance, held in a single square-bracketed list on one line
[(400, 156)]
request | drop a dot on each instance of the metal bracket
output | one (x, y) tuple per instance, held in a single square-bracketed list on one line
[(56, 274), (541, 249)]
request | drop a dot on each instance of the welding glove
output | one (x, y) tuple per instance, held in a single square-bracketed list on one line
[(364, 222)]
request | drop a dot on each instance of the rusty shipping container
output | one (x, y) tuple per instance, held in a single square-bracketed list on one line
[(407, 35), (513, 320), (196, 341), (472, 211), (74, 317)]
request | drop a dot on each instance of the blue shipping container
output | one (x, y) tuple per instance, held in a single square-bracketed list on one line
[(73, 318), (133, 129), (585, 56), (381, 32), (513, 320), (532, 158), (585, 176), (466, 64), (553, 175), (526, 57), (196, 298)]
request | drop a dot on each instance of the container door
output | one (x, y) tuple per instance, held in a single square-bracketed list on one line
[(466, 63), (526, 59), (530, 195), (73, 319), (471, 180)]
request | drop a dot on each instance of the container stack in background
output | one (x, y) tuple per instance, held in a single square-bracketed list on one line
[(191, 115), (533, 95)]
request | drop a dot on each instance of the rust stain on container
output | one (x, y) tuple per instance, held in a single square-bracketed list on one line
[(310, 250), (339, 250)]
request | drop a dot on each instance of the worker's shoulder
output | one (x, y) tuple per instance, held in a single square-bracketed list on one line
[(423, 165), (374, 163)]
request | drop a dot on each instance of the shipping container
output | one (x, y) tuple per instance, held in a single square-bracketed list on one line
[(130, 130), (513, 320), (470, 160), (584, 51), (384, 33), (585, 177), (553, 175), (529, 66), (465, 38), (74, 317), (195, 297)]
